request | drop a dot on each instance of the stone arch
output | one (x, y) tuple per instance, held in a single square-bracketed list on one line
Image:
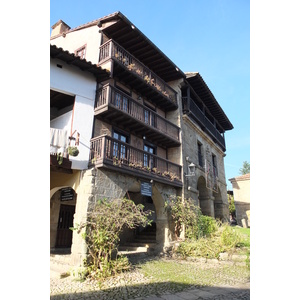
[(55, 209), (160, 217), (205, 199)]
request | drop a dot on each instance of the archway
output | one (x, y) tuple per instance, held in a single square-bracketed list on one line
[(140, 235), (157, 234), (62, 209), (205, 201)]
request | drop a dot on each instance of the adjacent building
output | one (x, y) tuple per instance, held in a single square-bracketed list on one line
[(155, 132), (241, 193)]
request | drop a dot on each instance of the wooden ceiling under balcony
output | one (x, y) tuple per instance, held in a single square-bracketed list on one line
[(134, 41), (142, 87), (124, 121)]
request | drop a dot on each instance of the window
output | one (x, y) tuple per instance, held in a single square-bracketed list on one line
[(214, 162), (81, 52), (117, 101), (148, 158), (200, 159), (119, 149), (120, 101), (149, 116)]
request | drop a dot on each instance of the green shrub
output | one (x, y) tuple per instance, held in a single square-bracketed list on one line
[(224, 239), (183, 212), (230, 237), (101, 232)]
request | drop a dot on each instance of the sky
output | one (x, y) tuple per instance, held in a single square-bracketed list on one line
[(210, 37)]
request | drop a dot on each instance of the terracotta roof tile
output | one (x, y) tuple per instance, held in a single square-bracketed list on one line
[(242, 177)]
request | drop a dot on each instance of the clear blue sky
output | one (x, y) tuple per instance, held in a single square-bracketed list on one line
[(211, 37)]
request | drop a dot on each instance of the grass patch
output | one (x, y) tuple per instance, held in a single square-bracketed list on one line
[(179, 274)]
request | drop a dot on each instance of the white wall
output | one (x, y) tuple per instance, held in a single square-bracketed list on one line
[(76, 39), (72, 81), (62, 122)]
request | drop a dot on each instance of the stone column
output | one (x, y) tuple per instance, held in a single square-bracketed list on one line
[(85, 197), (207, 206)]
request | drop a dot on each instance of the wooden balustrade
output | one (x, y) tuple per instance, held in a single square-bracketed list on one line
[(109, 95), (111, 49), (107, 150), (190, 106)]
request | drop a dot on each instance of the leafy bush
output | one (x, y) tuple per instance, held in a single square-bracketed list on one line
[(206, 226), (229, 237), (183, 213), (186, 212), (224, 239), (101, 232)]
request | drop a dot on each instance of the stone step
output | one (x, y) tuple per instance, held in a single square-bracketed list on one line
[(144, 238), (64, 259), (135, 246), (59, 270), (60, 265), (146, 234)]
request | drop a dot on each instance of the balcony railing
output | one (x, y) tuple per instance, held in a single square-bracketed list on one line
[(111, 49), (106, 150), (110, 96), (189, 106)]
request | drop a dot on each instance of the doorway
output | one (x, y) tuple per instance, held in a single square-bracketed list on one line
[(65, 221)]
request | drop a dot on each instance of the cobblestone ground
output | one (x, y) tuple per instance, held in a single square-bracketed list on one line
[(134, 285)]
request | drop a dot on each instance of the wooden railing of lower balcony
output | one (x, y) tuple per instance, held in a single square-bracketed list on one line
[(105, 150), (111, 49), (109, 95), (190, 106)]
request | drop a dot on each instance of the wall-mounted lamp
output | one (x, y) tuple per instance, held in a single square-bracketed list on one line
[(191, 170)]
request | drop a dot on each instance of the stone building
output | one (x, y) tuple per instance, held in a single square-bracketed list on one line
[(241, 193), (157, 132)]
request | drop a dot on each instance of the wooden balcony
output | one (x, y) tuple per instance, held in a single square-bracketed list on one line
[(64, 165), (116, 107), (113, 154), (130, 70), (191, 109)]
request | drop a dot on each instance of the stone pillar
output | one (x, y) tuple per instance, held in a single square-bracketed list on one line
[(162, 234), (54, 214), (85, 197), (207, 206)]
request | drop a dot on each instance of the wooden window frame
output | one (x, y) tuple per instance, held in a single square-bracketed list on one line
[(79, 50)]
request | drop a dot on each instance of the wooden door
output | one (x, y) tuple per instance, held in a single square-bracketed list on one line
[(65, 221)]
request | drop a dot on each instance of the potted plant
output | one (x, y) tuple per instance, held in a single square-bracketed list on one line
[(73, 151)]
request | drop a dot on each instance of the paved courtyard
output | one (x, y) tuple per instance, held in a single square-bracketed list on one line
[(68, 288)]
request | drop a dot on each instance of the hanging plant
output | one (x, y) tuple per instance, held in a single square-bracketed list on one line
[(73, 151), (60, 158)]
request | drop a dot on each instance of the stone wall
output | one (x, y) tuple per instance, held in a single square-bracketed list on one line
[(98, 184), (212, 203), (241, 192)]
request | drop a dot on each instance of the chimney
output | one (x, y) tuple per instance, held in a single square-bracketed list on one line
[(59, 27)]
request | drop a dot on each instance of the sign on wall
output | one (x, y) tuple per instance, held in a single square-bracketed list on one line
[(146, 189), (67, 194)]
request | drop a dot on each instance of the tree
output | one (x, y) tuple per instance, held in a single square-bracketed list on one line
[(245, 169)]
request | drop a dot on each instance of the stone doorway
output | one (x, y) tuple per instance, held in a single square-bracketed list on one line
[(62, 209), (65, 221), (141, 235)]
